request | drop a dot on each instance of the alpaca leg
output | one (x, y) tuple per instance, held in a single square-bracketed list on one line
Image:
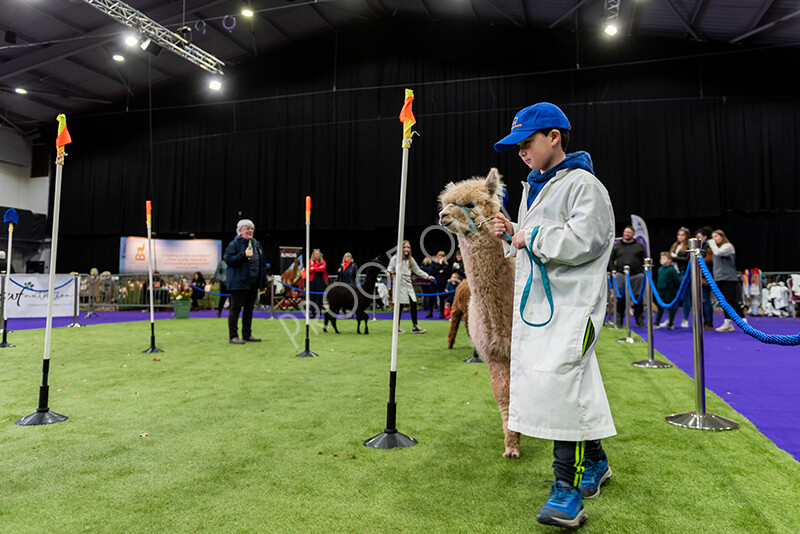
[(361, 315), (330, 315), (455, 320), (501, 374)]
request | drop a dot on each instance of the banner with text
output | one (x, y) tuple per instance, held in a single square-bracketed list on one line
[(169, 255), (26, 296)]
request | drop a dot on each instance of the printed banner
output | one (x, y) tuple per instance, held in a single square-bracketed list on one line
[(640, 233), (170, 255), (26, 296)]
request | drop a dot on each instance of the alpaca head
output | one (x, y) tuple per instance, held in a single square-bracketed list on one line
[(467, 206)]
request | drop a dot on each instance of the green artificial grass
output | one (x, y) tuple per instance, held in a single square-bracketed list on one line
[(209, 437)]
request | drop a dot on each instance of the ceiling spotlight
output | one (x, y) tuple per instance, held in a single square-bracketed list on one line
[(131, 41), (118, 57), (611, 11), (21, 91), (145, 44), (215, 84), (247, 12)]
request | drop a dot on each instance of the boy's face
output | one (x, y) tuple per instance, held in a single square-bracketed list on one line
[(665, 260), (454, 278), (539, 150)]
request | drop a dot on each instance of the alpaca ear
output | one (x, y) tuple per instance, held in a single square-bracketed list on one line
[(493, 181)]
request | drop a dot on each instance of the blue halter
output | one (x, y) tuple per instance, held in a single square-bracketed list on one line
[(545, 283)]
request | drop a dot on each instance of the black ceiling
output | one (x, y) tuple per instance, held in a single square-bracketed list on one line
[(61, 51)]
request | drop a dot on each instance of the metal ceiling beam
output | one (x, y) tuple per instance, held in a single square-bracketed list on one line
[(760, 15), (566, 15), (686, 25), (508, 17), (151, 29), (63, 50), (765, 27)]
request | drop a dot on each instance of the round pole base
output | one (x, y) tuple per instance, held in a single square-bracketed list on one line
[(651, 364), (152, 350), (75, 325), (390, 439), (611, 324), (474, 359), (6, 345), (707, 421), (630, 340), (306, 354), (41, 418)]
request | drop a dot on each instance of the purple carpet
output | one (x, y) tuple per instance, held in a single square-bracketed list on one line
[(758, 380)]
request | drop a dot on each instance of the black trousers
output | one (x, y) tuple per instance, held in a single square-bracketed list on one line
[(728, 290), (568, 459), (223, 291), (636, 285), (242, 300)]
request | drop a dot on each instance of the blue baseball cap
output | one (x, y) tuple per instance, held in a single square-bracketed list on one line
[(535, 117)]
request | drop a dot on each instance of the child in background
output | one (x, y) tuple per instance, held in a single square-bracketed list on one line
[(452, 284), (667, 284)]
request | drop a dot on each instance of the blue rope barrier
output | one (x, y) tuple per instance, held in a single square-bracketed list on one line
[(210, 292), (772, 339), (421, 294), (616, 287), (301, 290), (635, 300), (678, 297), (41, 290)]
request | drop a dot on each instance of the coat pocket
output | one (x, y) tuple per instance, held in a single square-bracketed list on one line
[(588, 337), (557, 347)]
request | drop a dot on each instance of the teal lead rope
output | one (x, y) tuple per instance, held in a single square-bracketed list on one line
[(545, 283)]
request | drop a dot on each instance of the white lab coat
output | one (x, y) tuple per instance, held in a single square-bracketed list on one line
[(404, 290), (556, 389)]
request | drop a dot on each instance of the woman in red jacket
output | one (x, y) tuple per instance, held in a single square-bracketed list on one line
[(317, 280)]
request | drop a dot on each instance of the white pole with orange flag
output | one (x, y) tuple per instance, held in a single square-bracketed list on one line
[(152, 348), (43, 415), (390, 438)]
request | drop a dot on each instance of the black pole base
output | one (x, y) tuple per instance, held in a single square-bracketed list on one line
[(390, 439), (5, 345), (475, 358), (152, 350), (651, 364), (306, 354), (41, 418)]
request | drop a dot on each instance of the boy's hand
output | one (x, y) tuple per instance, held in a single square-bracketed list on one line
[(502, 226), (519, 240)]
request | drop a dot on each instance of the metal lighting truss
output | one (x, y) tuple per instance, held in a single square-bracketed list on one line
[(157, 33), (611, 9)]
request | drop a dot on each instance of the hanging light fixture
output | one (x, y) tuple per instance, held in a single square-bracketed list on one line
[(611, 11)]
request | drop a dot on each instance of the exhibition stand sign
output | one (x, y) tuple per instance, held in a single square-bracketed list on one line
[(169, 255), (26, 296)]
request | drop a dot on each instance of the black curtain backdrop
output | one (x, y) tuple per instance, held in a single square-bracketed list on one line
[(682, 134)]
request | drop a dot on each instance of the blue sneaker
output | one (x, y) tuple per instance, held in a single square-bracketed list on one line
[(595, 474), (564, 507)]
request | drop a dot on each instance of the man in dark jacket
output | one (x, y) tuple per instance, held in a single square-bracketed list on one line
[(246, 274), (628, 252)]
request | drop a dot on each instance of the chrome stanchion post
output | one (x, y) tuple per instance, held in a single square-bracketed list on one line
[(272, 299), (628, 297), (609, 301), (648, 305), (613, 300), (699, 418), (76, 300)]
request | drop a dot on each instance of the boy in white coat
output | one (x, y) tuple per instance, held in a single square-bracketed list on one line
[(562, 242)]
